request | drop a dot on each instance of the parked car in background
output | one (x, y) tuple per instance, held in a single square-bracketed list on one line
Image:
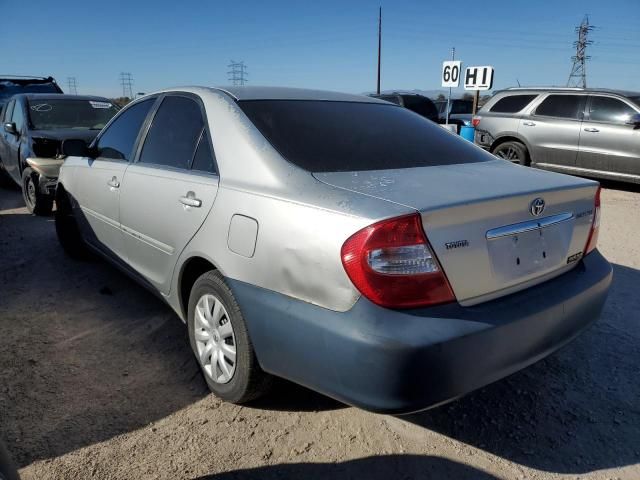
[(335, 240), (11, 85), (412, 101), (34, 126), (460, 111), (589, 132)]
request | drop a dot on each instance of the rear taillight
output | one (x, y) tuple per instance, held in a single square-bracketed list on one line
[(592, 241), (475, 121), (392, 264)]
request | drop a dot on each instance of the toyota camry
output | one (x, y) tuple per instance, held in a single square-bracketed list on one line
[(338, 241)]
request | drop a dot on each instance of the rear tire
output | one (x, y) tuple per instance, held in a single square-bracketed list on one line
[(36, 202), (67, 228), (512, 151), (220, 336)]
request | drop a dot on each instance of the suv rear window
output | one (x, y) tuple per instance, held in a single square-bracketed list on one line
[(324, 136), (562, 106), (512, 103)]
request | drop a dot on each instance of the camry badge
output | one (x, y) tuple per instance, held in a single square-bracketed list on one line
[(537, 207)]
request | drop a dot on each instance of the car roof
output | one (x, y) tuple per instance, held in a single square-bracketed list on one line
[(241, 93), (59, 96), (624, 93)]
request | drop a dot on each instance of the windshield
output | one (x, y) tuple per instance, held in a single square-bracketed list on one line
[(9, 88), (53, 114), (323, 136)]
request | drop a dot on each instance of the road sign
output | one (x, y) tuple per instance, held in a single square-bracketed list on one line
[(451, 73), (478, 78)]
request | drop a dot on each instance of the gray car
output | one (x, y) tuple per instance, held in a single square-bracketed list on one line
[(338, 241), (590, 132)]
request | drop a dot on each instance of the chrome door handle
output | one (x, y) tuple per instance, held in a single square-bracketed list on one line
[(529, 124), (190, 200), (113, 183), (592, 130)]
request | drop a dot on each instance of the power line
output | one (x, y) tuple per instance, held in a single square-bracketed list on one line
[(238, 73), (578, 75), (126, 80), (72, 84)]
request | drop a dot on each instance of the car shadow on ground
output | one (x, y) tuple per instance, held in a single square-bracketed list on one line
[(86, 354), (574, 412), (383, 467)]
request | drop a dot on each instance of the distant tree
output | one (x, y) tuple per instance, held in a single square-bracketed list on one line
[(121, 101), (441, 97)]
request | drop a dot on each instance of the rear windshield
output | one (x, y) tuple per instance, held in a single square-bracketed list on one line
[(52, 114), (324, 136), (461, 106)]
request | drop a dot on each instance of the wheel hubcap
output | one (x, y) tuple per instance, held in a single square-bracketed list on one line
[(509, 154), (215, 339)]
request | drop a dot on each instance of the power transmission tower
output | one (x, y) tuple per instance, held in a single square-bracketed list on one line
[(238, 73), (126, 80), (578, 75), (73, 85)]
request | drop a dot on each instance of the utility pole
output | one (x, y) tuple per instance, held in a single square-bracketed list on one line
[(126, 80), (578, 75), (238, 73), (73, 85), (379, 47), (453, 57)]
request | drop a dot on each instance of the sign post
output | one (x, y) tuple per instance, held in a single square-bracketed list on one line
[(450, 77)]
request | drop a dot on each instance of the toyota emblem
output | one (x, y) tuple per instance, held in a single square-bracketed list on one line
[(537, 207)]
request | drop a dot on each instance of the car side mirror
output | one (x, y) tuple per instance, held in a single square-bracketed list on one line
[(76, 148), (634, 120), (10, 127)]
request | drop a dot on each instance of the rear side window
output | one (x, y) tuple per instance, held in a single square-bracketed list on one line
[(512, 103), (323, 136), (118, 139), (174, 133), (562, 106), (612, 110), (204, 160)]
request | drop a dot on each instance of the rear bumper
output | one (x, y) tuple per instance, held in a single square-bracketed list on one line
[(404, 361)]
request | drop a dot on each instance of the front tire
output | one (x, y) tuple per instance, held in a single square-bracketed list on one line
[(514, 152), (221, 342), (36, 202)]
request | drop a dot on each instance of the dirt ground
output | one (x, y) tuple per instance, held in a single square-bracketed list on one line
[(97, 381)]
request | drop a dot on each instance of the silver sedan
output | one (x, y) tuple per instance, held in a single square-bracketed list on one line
[(338, 241)]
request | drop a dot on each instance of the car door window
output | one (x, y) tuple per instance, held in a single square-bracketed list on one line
[(119, 138), (204, 159), (173, 135), (610, 110), (18, 116), (8, 111), (562, 106), (512, 103)]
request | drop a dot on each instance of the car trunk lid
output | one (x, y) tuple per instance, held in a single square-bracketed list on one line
[(478, 218)]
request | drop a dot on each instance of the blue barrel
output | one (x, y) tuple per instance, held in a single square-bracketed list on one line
[(467, 132)]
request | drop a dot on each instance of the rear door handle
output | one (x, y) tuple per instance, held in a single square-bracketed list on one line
[(592, 130), (190, 200), (113, 183), (529, 124)]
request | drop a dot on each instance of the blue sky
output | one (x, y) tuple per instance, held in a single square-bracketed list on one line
[(329, 45)]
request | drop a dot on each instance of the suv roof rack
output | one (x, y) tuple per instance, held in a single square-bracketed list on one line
[(546, 88)]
